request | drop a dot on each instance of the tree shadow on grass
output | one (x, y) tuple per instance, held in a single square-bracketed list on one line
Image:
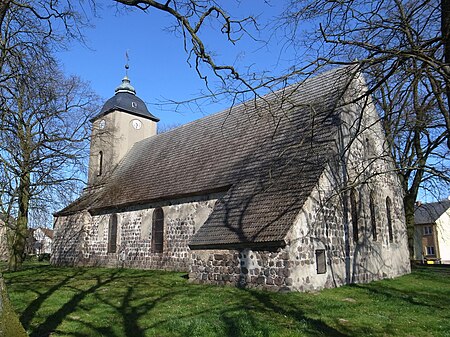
[(233, 324), (241, 318), (54, 320), (72, 281), (137, 315), (28, 314), (417, 298), (438, 273), (102, 331), (314, 326), (129, 312), (132, 313)]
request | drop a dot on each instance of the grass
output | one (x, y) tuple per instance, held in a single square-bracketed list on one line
[(123, 302)]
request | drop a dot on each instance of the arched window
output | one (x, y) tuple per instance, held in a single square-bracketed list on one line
[(354, 210), (112, 234), (373, 215), (158, 230), (389, 218), (100, 163)]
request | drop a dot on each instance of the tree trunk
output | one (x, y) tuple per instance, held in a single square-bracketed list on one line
[(4, 6), (409, 202), (18, 237), (10, 325), (445, 30)]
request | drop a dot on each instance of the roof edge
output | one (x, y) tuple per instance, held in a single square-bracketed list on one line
[(97, 210), (150, 116)]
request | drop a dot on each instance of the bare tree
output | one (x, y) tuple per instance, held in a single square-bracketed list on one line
[(191, 18), (43, 146), (42, 113), (36, 28), (42, 135), (416, 138), (41, 126), (403, 47)]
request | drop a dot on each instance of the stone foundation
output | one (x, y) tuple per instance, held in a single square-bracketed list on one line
[(246, 269)]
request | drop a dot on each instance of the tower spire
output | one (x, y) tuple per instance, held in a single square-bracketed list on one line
[(126, 64), (126, 86)]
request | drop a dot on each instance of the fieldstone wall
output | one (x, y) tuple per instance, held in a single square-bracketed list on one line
[(324, 224), (82, 239), (69, 238), (348, 259), (246, 268)]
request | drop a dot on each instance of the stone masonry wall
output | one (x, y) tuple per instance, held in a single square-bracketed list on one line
[(246, 268), (134, 236), (319, 227), (69, 237)]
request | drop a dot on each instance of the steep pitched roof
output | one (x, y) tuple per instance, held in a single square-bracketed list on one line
[(266, 155), (47, 231), (429, 213)]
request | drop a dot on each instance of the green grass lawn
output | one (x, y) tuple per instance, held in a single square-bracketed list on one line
[(122, 302)]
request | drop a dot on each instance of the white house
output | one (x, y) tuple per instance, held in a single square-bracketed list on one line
[(432, 232), (43, 240)]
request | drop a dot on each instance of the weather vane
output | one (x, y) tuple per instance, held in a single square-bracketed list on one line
[(126, 65)]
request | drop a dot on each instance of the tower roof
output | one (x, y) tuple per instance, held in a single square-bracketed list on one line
[(126, 100)]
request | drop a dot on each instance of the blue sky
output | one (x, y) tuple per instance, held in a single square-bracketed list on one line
[(158, 67)]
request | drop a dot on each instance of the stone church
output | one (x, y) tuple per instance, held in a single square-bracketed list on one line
[(294, 190)]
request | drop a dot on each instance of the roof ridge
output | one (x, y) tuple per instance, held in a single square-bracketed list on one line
[(268, 95)]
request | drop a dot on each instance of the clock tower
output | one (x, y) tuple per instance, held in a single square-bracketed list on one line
[(123, 121)]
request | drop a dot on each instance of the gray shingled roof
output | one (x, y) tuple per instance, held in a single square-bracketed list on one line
[(429, 213), (266, 155), (127, 102)]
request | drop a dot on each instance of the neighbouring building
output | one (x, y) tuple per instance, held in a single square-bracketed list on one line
[(432, 232), (42, 239), (38, 241), (293, 190)]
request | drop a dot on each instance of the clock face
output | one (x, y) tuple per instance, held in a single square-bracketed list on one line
[(136, 123), (102, 124)]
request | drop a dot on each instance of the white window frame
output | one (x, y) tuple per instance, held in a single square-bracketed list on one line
[(430, 251), (427, 230)]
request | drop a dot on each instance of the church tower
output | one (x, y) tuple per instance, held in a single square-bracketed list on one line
[(123, 121)]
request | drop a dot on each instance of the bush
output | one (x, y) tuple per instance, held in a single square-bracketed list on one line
[(44, 257)]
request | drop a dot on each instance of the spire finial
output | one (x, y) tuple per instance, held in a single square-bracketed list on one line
[(126, 65), (126, 86)]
